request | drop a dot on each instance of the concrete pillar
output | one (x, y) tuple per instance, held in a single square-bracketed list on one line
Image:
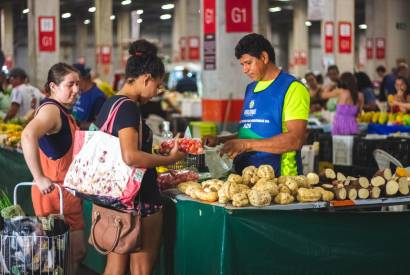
[(123, 39), (300, 39), (103, 38), (81, 41), (44, 45), (387, 20), (6, 32), (185, 25), (336, 12), (223, 81)]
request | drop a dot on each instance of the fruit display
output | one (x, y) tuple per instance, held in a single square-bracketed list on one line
[(10, 134), (186, 145), (258, 186), (171, 178), (385, 118)]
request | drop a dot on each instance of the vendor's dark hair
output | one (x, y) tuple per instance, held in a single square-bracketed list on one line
[(363, 81), (143, 60), (381, 68), (348, 82), (56, 74), (407, 91), (254, 44)]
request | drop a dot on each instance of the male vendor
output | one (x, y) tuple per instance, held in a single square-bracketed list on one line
[(274, 115)]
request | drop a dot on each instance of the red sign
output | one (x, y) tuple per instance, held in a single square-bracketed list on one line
[(238, 15), (209, 17), (369, 48), (193, 48), (47, 33), (329, 33), (302, 57), (380, 48), (105, 53), (345, 37), (182, 47)]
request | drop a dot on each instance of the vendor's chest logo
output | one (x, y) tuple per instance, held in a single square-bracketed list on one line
[(251, 111)]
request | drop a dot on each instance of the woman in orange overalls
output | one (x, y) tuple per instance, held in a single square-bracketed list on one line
[(47, 143)]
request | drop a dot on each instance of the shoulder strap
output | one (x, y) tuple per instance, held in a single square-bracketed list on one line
[(52, 103), (109, 123)]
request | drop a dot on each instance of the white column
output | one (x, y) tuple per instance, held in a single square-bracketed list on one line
[(81, 41), (42, 58), (103, 37), (300, 38), (185, 25), (226, 83), (6, 31), (123, 38)]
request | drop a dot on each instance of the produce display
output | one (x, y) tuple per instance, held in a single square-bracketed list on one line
[(171, 178), (186, 145), (10, 134), (258, 186), (385, 118)]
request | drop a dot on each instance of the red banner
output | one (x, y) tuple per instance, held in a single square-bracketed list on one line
[(345, 37), (238, 15), (369, 48), (46, 33), (209, 17), (105, 53), (193, 48), (329, 34), (380, 48)]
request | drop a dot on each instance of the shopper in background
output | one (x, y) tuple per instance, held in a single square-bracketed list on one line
[(143, 77), (21, 95), (331, 84), (387, 87), (401, 100), (186, 83), (380, 72), (90, 101), (365, 87), (274, 116), (348, 105), (315, 90), (47, 143)]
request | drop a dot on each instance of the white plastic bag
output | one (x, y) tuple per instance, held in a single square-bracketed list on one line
[(218, 166)]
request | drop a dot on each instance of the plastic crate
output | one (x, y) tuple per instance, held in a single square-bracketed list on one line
[(200, 129), (195, 161)]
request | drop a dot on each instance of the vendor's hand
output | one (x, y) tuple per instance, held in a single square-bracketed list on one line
[(175, 154), (235, 147), (211, 141), (44, 184)]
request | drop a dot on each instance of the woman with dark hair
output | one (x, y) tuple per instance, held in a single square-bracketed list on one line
[(401, 100), (47, 143), (143, 77), (348, 105), (365, 87)]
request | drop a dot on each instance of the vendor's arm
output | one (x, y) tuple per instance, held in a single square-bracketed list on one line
[(12, 112), (329, 92), (47, 121), (215, 140)]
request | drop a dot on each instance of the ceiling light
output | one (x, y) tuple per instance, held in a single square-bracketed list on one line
[(87, 21), (139, 20), (112, 17), (66, 15), (308, 23), (167, 6), (126, 2), (275, 9), (92, 9), (25, 11), (165, 16), (139, 12), (362, 26)]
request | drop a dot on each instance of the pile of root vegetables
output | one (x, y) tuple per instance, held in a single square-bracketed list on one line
[(258, 186)]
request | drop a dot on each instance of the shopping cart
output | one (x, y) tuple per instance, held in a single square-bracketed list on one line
[(47, 253)]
